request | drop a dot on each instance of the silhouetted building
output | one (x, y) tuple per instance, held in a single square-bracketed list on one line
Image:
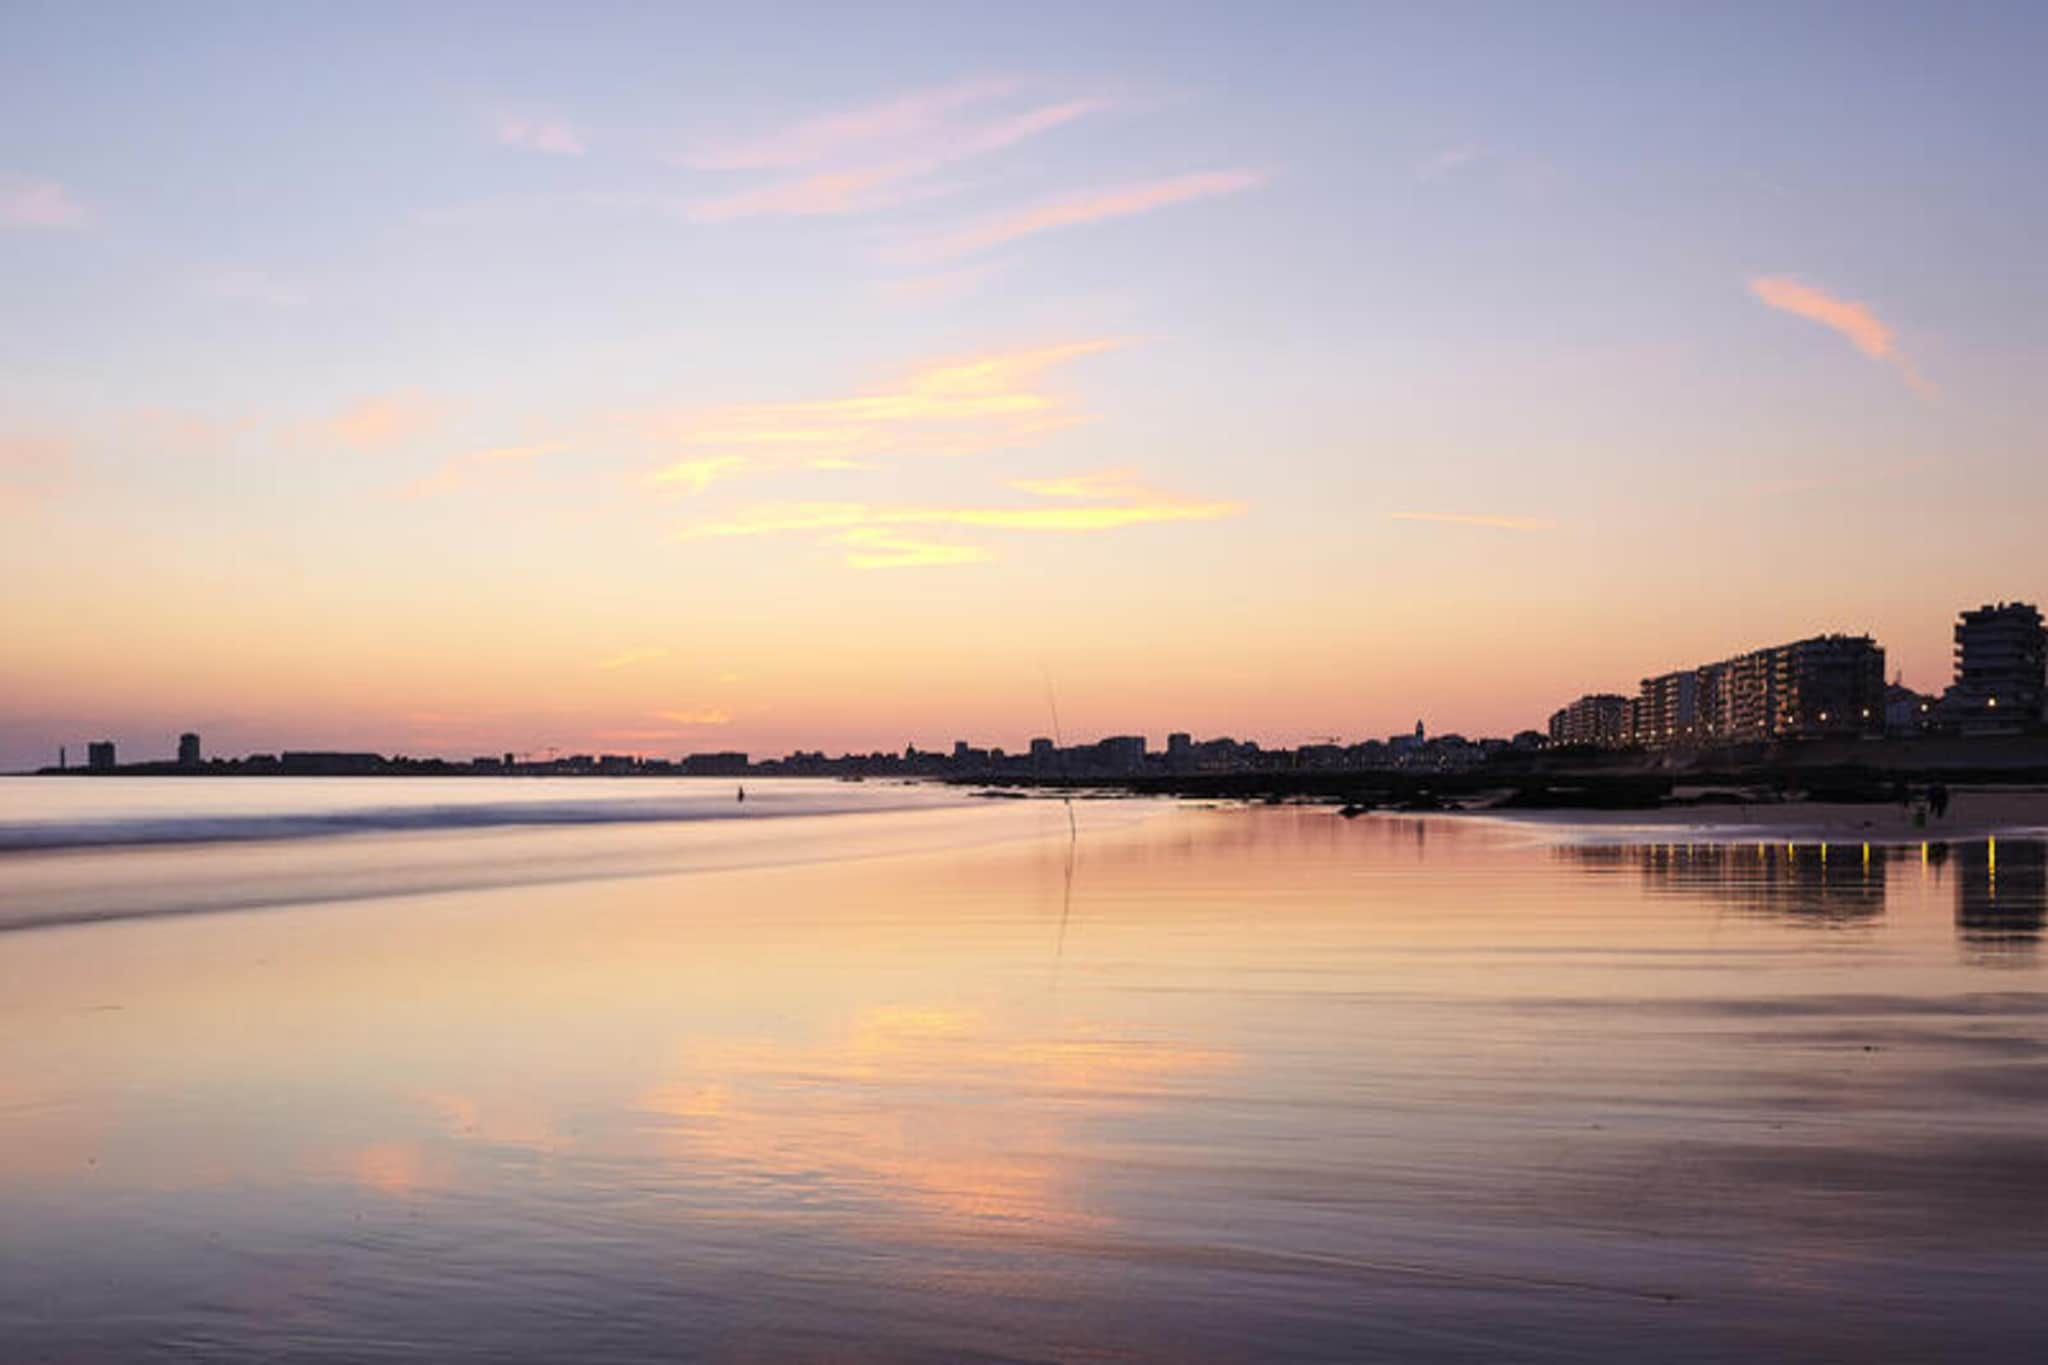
[(188, 750), (1907, 712), (727, 764), (1121, 754), (327, 763), (1831, 685), (2001, 658), (1828, 685), (1666, 712), (99, 755), (1599, 719)]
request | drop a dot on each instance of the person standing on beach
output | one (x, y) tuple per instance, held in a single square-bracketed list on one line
[(1937, 799)]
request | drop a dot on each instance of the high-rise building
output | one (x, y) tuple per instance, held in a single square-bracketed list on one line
[(2001, 657), (188, 750), (1599, 718), (1829, 685), (1666, 714), (1121, 753), (99, 755)]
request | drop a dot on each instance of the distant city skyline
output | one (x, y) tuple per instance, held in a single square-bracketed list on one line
[(1834, 684), (662, 381)]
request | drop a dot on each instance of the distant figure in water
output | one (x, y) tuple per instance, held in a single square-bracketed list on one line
[(743, 793)]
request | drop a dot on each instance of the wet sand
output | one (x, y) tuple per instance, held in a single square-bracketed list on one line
[(948, 1085)]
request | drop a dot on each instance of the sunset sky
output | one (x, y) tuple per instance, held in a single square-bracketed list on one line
[(455, 379)]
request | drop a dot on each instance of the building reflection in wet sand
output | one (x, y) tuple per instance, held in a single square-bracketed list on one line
[(2001, 897), (2001, 885), (1802, 883)]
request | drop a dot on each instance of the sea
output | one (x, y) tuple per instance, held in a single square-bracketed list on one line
[(496, 1069)]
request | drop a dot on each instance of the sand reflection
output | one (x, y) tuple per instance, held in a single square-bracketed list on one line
[(948, 1112)]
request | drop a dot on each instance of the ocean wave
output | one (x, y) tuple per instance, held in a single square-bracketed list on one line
[(25, 836)]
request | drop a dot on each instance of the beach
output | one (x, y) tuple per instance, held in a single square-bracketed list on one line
[(1974, 813), (946, 1081)]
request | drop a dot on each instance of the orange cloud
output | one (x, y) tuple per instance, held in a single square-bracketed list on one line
[(385, 420), (1474, 519), (951, 407), (1853, 320), (630, 658), (868, 530), (878, 547), (466, 468), (1108, 483), (698, 475), (706, 715), (1093, 207)]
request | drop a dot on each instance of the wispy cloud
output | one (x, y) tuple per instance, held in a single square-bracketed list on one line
[(1862, 476), (1499, 523), (32, 467), (460, 470), (699, 474), (1093, 206), (249, 286), (382, 421), (1864, 330), (630, 658), (703, 715), (832, 136), (1107, 483), (26, 202), (936, 286), (879, 547), (873, 537), (862, 186), (1448, 162), (826, 193), (960, 406), (548, 135)]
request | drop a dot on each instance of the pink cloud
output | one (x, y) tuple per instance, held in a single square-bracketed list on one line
[(864, 188), (382, 421), (32, 467), (827, 193), (37, 203), (551, 136), (1093, 207), (1863, 328), (830, 136)]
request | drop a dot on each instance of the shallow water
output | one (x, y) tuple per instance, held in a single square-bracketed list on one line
[(937, 1084)]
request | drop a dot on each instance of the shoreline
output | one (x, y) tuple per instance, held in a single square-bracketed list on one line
[(1973, 815)]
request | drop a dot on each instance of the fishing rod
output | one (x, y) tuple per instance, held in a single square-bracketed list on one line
[(1059, 741)]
